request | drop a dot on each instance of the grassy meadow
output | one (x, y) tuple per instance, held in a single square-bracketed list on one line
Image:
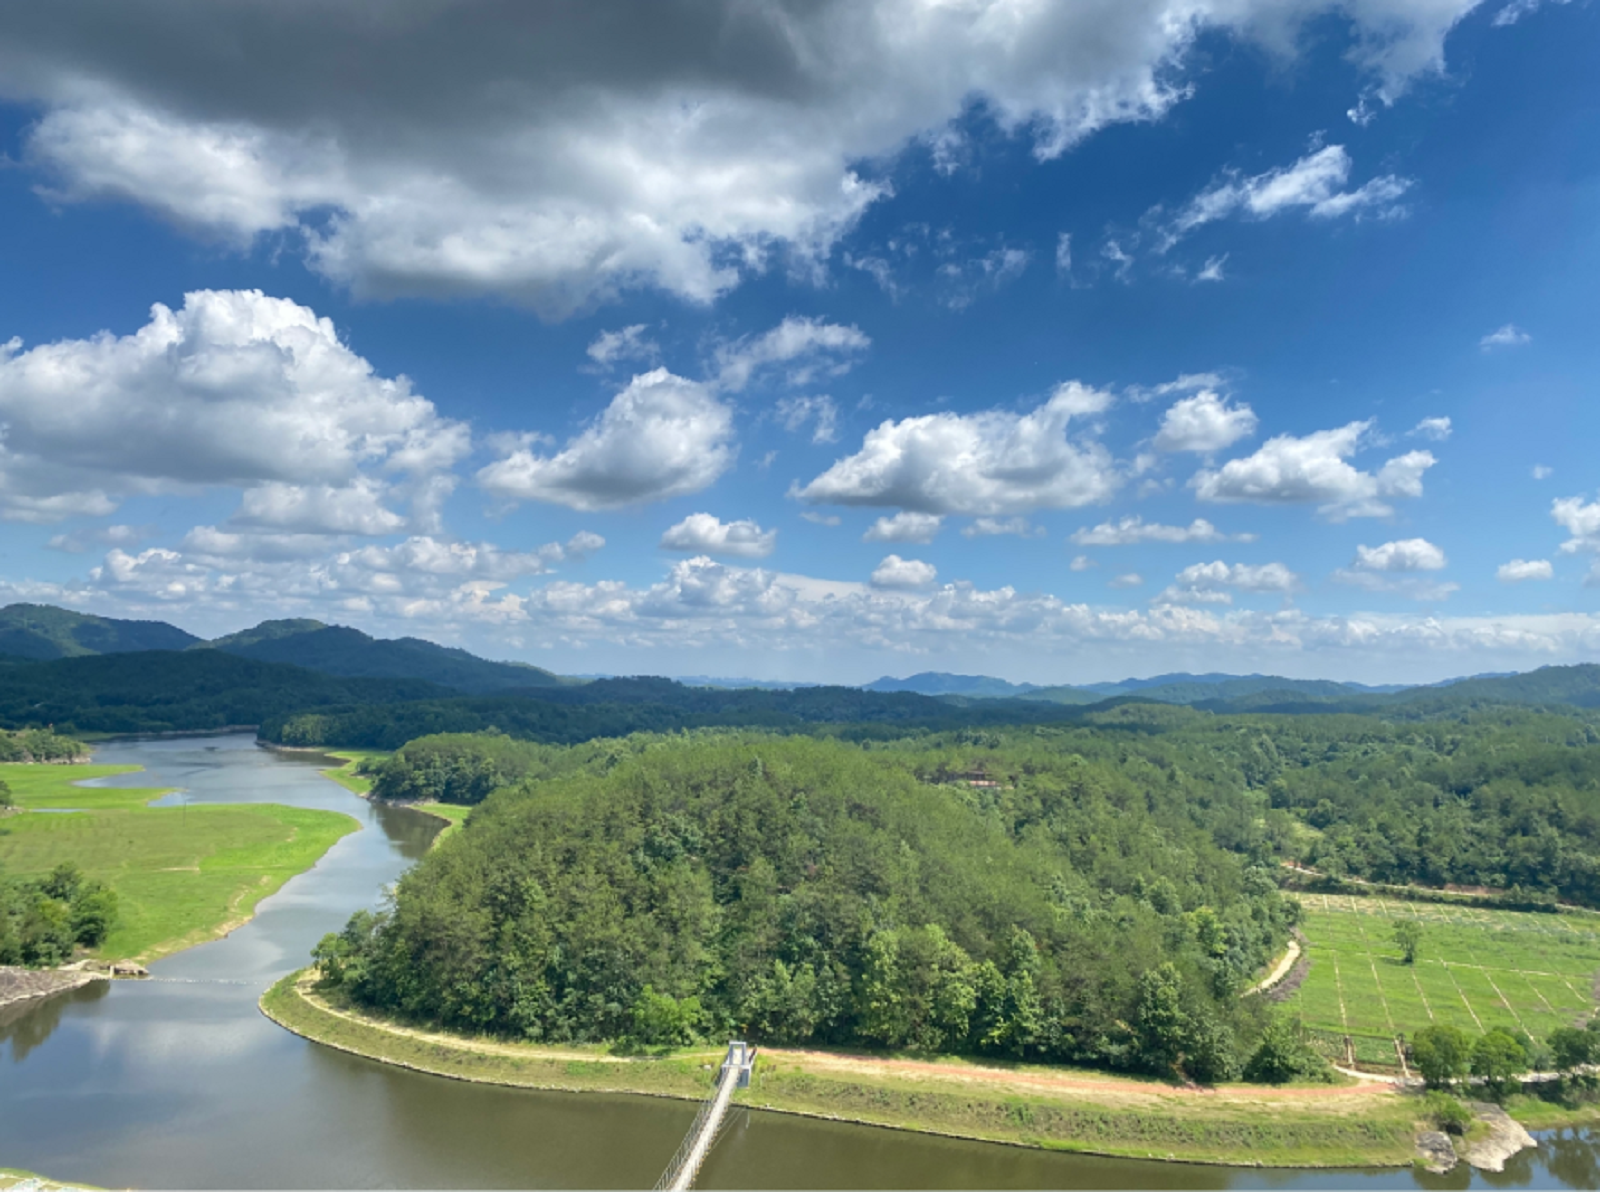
[(182, 875), (1476, 969)]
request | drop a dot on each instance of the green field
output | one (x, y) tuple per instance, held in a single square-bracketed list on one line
[(182, 875), (346, 775), (1476, 969)]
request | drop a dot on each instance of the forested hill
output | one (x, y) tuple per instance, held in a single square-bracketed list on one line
[(349, 653), (812, 892), (617, 707), (170, 691), (42, 631)]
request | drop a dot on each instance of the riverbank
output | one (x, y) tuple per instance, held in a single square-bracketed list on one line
[(1024, 1105), (452, 815), (183, 875)]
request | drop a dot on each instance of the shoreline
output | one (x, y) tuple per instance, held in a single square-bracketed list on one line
[(1328, 1127)]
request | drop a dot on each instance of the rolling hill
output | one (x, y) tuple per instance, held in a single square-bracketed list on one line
[(42, 631)]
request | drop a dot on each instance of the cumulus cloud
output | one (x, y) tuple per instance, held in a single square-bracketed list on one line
[(985, 464), (626, 343), (1581, 520), (355, 508), (820, 412), (1509, 336), (1204, 423), (1133, 529), (234, 388), (1520, 570), (704, 534), (1397, 567), (993, 527), (1215, 583), (1437, 429), (662, 436), (905, 526), (79, 541), (1314, 184), (1314, 470), (1082, 563), (810, 348), (536, 154), (895, 572), (1409, 554)]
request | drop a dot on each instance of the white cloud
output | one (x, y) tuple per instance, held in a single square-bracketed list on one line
[(1517, 9), (79, 541), (993, 527), (627, 343), (1215, 583), (1520, 570), (662, 436), (966, 281), (1212, 270), (1395, 567), (540, 156), (1581, 520), (1509, 336), (1204, 423), (905, 526), (1082, 563), (355, 508), (811, 348), (1132, 529), (1064, 253), (820, 519), (821, 412), (1543, 472), (985, 464), (703, 534), (1437, 429), (1131, 579), (1313, 184), (1185, 383), (1409, 554), (1313, 470), (895, 572), (234, 388)]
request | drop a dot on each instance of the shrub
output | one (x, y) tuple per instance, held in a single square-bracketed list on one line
[(1446, 1113)]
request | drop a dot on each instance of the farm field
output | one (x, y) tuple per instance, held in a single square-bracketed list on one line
[(1476, 969)]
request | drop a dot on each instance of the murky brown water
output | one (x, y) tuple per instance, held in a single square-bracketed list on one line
[(179, 1082)]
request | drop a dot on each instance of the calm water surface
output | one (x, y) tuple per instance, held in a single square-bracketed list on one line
[(179, 1082)]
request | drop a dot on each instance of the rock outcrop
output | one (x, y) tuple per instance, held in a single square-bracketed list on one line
[(1505, 1138)]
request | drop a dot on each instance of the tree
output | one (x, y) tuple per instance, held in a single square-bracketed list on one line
[(1284, 1055), (1499, 1059), (1443, 1055), (1571, 1048), (1162, 1027), (5, 794), (1408, 938), (661, 1020)]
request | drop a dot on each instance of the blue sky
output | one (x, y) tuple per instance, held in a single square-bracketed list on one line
[(1042, 340)]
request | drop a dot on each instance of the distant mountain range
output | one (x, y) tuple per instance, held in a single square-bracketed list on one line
[(40, 632)]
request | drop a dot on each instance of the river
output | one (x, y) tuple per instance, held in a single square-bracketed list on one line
[(179, 1082)]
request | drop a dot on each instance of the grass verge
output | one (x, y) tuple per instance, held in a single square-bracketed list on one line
[(10, 1177), (1025, 1106), (182, 875), (452, 815)]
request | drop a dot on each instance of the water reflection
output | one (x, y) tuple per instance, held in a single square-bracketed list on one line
[(179, 1082)]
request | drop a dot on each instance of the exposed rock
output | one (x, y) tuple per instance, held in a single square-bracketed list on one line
[(127, 968), (20, 984), (1506, 1137), (1437, 1151)]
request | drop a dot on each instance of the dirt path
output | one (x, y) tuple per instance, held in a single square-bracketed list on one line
[(1281, 971)]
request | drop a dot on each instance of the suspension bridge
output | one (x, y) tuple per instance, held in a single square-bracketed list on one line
[(685, 1166)]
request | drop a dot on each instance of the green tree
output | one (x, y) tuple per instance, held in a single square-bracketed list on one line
[(1499, 1060), (1571, 1048), (661, 1020), (1284, 1055), (1162, 1025), (92, 912), (6, 799), (1443, 1054), (1408, 938)]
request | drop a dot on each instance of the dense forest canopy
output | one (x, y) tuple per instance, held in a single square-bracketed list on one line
[(799, 890)]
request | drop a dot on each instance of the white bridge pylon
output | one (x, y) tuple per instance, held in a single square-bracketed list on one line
[(685, 1166)]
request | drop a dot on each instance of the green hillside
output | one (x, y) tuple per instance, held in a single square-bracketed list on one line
[(42, 631), (349, 653), (172, 691)]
